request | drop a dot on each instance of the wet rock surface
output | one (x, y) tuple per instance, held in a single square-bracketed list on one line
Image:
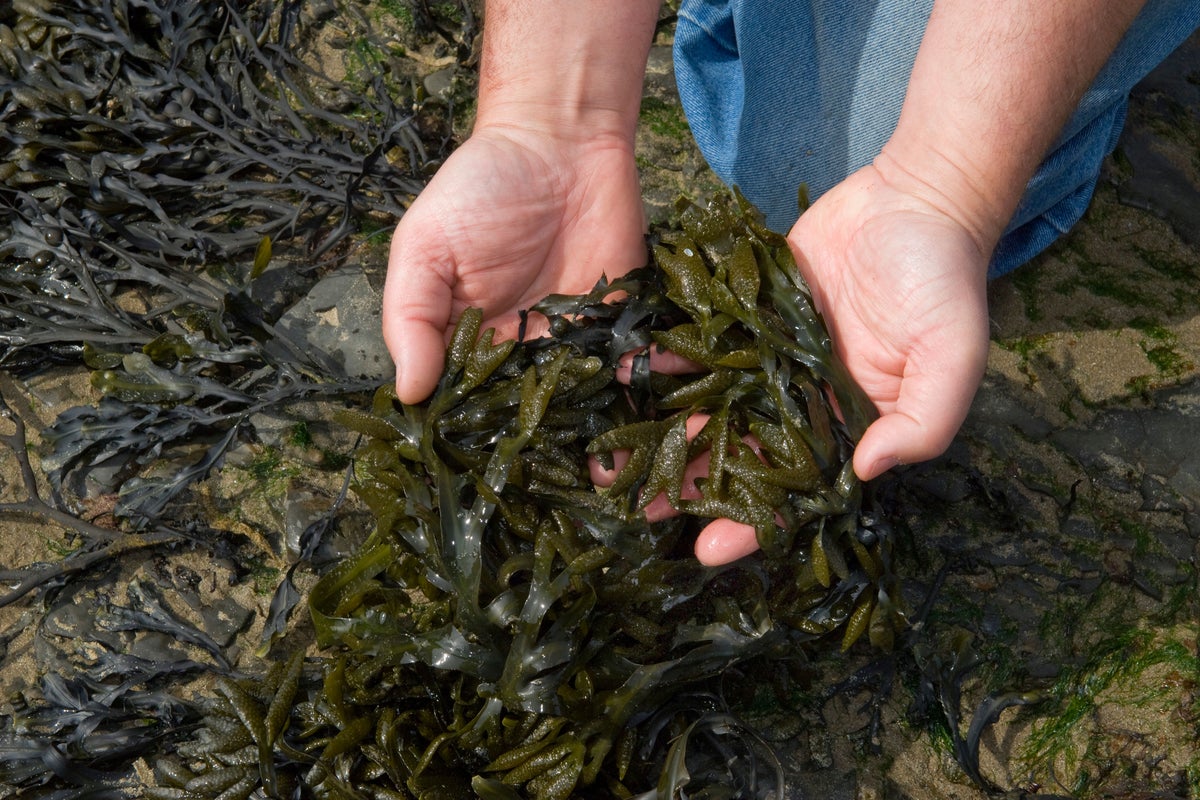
[(339, 318), (1060, 535), (1159, 144)]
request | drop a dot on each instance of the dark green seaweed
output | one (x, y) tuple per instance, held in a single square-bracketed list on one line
[(511, 631), (162, 153), (174, 176)]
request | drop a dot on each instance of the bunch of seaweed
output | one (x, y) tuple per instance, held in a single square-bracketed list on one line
[(154, 140), (510, 631), (85, 733), (163, 154)]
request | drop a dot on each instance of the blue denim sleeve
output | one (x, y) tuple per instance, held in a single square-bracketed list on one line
[(780, 93)]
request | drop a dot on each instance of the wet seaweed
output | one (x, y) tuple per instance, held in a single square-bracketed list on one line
[(152, 138), (78, 737), (943, 670), (287, 596), (177, 176), (162, 154), (98, 543), (113, 660), (510, 631)]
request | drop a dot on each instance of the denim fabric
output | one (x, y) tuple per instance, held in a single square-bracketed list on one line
[(784, 92)]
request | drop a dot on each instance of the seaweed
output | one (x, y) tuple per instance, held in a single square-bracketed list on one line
[(177, 176), (99, 543), (163, 154), (510, 631), (77, 736), (942, 671), (287, 596), (85, 734)]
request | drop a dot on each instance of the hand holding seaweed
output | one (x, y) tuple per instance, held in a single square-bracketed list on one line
[(902, 285), (512, 631), (508, 631), (501, 225)]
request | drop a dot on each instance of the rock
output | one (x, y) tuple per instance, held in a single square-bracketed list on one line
[(337, 325), (1156, 145), (1159, 441), (440, 84)]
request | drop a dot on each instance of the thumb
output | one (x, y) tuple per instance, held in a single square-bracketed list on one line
[(417, 302), (932, 405)]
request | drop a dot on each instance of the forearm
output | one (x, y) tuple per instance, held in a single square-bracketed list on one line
[(992, 87), (573, 68)]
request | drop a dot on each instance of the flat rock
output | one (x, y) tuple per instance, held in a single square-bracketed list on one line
[(338, 325)]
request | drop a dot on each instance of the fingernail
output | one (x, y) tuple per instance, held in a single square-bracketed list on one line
[(882, 465)]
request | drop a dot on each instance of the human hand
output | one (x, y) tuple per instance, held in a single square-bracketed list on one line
[(901, 284), (512, 216)]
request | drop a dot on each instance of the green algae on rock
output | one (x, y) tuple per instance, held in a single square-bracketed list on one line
[(510, 631)]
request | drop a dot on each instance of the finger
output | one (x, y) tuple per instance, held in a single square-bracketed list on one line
[(933, 402), (417, 304), (660, 507), (729, 534), (723, 541), (602, 476), (661, 361)]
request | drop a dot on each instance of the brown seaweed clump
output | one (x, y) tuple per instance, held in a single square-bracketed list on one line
[(509, 631)]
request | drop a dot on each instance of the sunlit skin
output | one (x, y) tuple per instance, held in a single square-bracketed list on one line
[(722, 540)]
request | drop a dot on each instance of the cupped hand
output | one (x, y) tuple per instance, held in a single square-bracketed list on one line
[(720, 541), (902, 286), (512, 216)]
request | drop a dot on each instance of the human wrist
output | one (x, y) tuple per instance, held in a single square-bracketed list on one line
[(991, 88), (950, 184), (566, 69), (561, 121)]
